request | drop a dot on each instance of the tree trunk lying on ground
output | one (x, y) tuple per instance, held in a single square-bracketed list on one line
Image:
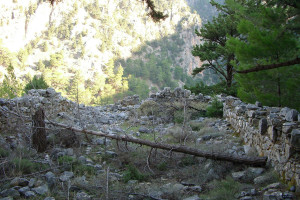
[(253, 161)]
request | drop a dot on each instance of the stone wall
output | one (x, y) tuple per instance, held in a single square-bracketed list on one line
[(15, 114), (273, 131)]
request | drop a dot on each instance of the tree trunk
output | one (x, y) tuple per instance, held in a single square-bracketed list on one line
[(39, 141), (253, 161)]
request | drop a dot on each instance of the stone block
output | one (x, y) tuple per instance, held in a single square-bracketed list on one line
[(263, 126), (258, 104), (272, 133), (251, 113), (288, 127), (284, 111), (291, 115), (295, 139)]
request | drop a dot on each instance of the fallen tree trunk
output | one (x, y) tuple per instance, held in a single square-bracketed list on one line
[(253, 161)]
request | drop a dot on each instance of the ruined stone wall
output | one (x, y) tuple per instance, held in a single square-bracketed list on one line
[(273, 131), (15, 114)]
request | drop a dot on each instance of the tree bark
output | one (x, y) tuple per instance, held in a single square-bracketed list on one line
[(253, 161), (39, 141)]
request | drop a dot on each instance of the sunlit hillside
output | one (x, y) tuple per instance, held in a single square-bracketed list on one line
[(73, 45)]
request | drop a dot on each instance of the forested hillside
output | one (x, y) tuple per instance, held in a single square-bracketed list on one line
[(96, 51)]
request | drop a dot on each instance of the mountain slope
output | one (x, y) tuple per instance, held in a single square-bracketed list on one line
[(76, 43)]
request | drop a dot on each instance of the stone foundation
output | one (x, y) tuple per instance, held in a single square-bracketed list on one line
[(273, 131)]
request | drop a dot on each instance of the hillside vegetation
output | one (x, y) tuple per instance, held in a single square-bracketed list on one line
[(96, 52)]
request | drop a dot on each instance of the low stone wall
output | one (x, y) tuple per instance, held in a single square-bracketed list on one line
[(15, 114), (273, 131)]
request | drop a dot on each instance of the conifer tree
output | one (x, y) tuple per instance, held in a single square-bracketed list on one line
[(268, 39), (10, 87), (213, 51)]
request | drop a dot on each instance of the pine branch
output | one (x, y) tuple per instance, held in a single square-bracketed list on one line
[(154, 14), (270, 66)]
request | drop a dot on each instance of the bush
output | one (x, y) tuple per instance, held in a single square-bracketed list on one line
[(215, 109), (178, 117), (162, 166), (149, 108), (25, 166), (65, 160), (36, 83), (81, 169), (187, 160), (3, 153), (45, 46), (132, 173), (57, 59), (224, 189)]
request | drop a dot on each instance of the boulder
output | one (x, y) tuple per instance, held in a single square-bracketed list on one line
[(49, 198), (237, 176), (261, 180), (195, 197), (82, 196), (66, 176), (19, 182), (41, 190), (143, 129), (23, 190), (32, 182), (29, 194), (10, 192), (291, 115)]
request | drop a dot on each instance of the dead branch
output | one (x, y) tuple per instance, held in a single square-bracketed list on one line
[(148, 161), (254, 161)]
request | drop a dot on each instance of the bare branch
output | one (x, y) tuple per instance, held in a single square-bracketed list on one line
[(270, 66)]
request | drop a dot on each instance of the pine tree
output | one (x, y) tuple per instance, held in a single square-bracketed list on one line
[(267, 39), (213, 51), (10, 87), (36, 83)]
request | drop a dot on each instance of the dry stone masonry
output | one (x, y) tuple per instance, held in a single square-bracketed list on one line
[(273, 131)]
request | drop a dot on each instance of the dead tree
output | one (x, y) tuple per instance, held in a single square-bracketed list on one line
[(253, 161), (39, 141)]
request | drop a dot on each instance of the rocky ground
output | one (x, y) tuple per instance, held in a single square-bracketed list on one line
[(79, 166)]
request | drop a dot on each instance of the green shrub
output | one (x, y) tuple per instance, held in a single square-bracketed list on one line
[(45, 46), (3, 153), (65, 160), (40, 65), (224, 189), (195, 125), (187, 160), (25, 166), (132, 173), (215, 109), (149, 108), (36, 83), (178, 116), (57, 59), (162, 166), (81, 169)]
